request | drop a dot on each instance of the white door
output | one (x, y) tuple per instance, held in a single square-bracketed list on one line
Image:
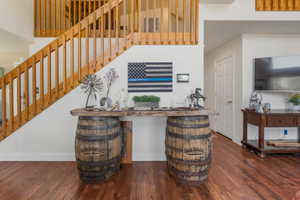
[(224, 93)]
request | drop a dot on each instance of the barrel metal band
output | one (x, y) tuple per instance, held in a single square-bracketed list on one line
[(95, 118), (190, 137), (184, 150), (97, 137), (89, 127), (206, 161), (188, 174), (191, 118), (180, 125), (99, 163)]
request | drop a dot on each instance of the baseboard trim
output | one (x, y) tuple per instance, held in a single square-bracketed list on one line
[(37, 157)]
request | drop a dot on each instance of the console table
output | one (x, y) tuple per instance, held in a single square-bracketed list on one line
[(101, 139), (274, 118)]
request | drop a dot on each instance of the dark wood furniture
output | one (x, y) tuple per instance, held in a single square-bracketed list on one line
[(274, 118)]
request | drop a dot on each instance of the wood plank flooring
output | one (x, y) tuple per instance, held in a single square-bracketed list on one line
[(235, 175)]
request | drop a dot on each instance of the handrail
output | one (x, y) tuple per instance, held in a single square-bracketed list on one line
[(94, 41)]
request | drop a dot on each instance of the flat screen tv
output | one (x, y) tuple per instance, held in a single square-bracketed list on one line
[(277, 74)]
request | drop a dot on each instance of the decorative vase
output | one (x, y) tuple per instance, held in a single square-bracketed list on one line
[(106, 102), (146, 104), (296, 108)]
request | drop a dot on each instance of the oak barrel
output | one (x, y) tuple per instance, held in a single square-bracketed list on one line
[(189, 148), (98, 148)]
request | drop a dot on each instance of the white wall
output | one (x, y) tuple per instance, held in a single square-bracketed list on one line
[(50, 135), (17, 17), (256, 46), (230, 49)]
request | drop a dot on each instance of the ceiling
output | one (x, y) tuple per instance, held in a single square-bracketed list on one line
[(10, 42), (219, 32)]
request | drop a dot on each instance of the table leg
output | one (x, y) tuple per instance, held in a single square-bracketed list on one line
[(261, 135), (299, 134), (245, 131)]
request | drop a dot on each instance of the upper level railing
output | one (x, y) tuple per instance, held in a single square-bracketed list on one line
[(54, 17), (278, 5)]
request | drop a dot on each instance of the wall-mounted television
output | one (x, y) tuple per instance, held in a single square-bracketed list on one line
[(277, 74)]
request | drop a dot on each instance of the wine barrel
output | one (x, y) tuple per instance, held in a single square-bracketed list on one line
[(189, 148), (98, 148)]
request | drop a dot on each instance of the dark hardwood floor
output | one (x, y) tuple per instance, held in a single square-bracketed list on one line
[(235, 174)]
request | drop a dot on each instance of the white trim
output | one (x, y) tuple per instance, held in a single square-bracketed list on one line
[(37, 157)]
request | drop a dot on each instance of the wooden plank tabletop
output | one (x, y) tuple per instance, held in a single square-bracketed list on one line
[(153, 113)]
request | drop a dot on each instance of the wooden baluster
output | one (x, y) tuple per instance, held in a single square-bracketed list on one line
[(50, 18), (72, 73), (42, 82), (95, 40), (84, 5), (74, 12), (79, 51), (297, 5), (70, 19), (275, 5), (64, 18), (34, 88), (161, 21), (125, 22), (260, 5), (49, 76), (197, 22), (59, 16), (40, 17), (35, 11), (90, 7), (65, 83), (4, 120), (141, 23), (282, 5), (109, 31), (147, 21), (169, 21), (117, 30), (102, 36), (290, 5), (183, 20), (26, 93), (19, 99), (191, 20), (56, 70), (11, 104), (79, 11), (132, 18), (55, 28), (45, 17), (87, 46), (177, 21)]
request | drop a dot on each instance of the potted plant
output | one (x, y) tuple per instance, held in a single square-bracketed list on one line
[(295, 100), (146, 101)]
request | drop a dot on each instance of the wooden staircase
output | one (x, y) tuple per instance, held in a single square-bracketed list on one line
[(86, 48)]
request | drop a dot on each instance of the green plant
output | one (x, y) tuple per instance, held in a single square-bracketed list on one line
[(295, 99), (153, 99)]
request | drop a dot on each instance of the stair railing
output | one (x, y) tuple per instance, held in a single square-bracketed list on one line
[(277, 5), (87, 47)]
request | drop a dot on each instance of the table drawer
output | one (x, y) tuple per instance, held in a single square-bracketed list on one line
[(282, 121)]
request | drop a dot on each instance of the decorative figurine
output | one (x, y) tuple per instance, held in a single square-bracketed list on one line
[(91, 85), (255, 102), (195, 99)]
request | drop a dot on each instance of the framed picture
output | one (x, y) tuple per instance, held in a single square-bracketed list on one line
[(183, 78)]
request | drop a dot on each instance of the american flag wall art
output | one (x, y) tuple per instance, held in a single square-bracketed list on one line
[(150, 77)]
